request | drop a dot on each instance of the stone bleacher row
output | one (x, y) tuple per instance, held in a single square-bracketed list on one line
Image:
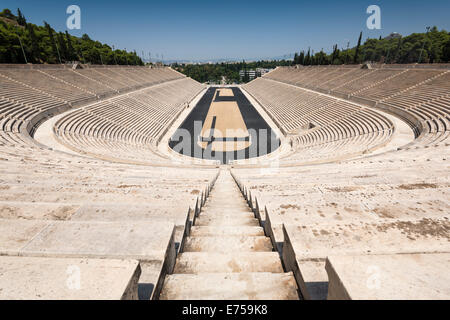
[(27, 96), (127, 127), (383, 216), (418, 96), (91, 203), (377, 211), (60, 210), (323, 126)]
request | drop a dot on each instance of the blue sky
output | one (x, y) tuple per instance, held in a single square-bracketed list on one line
[(200, 29)]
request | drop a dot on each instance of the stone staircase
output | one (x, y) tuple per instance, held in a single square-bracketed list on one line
[(227, 255)]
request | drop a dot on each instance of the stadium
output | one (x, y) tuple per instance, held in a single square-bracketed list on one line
[(311, 182)]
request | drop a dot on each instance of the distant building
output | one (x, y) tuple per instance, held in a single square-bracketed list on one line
[(393, 35), (262, 71), (252, 74)]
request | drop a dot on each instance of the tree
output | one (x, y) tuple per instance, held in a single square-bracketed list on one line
[(296, 59), (308, 58), (85, 37), (321, 58), (301, 58), (72, 55), (446, 52), (21, 18), (356, 58), (8, 14), (35, 50), (62, 46), (398, 48), (335, 54), (52, 42)]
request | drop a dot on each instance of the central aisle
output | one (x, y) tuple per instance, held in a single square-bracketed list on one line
[(227, 256)]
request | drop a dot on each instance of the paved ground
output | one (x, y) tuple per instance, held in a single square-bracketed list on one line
[(220, 109)]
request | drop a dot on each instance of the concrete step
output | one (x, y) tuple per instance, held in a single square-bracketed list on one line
[(39, 278), (224, 196), (220, 210), (208, 220), (410, 276), (228, 244), (227, 207), (226, 199), (230, 286), (228, 214), (227, 204), (212, 231), (209, 262)]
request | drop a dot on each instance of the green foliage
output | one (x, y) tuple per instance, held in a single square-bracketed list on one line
[(50, 38), (21, 18), (308, 58), (435, 44), (43, 45), (6, 13), (446, 51), (35, 49), (214, 73), (358, 46), (408, 49)]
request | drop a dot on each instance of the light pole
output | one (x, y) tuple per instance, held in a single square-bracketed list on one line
[(57, 50), (114, 55), (423, 46), (81, 50), (387, 56), (23, 51), (346, 54)]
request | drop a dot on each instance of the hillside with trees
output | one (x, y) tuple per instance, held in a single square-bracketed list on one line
[(23, 42), (430, 47), (213, 73)]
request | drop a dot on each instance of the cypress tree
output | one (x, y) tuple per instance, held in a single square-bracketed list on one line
[(301, 58), (397, 50), (334, 55), (295, 59), (72, 55), (35, 52), (308, 57), (21, 18), (446, 52), (52, 41), (62, 46), (356, 58)]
